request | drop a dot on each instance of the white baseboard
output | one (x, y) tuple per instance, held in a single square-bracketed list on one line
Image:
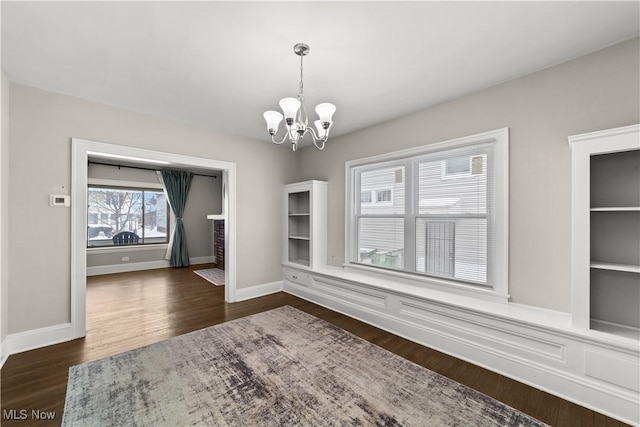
[(258, 291), (139, 266), (202, 260), (42, 337), (122, 268), (36, 338)]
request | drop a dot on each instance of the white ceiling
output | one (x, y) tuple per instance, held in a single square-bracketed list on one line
[(222, 64)]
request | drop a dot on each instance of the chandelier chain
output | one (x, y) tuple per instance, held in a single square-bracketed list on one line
[(301, 85)]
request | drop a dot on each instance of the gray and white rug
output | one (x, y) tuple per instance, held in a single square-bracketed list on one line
[(277, 368), (213, 275)]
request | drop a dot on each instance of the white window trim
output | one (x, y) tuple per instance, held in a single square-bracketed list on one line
[(500, 290), (127, 248), (118, 183)]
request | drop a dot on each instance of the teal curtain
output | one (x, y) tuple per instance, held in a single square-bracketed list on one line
[(177, 184)]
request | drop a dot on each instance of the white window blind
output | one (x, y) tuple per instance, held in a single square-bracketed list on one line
[(453, 214), (440, 222)]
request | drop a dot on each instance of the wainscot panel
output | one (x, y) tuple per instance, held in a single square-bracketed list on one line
[(598, 365), (485, 334), (344, 291), (535, 346)]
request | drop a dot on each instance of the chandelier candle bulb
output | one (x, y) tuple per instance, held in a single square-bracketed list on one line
[(295, 115)]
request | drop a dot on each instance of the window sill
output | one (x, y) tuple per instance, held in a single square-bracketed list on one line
[(483, 302), (125, 248), (423, 286)]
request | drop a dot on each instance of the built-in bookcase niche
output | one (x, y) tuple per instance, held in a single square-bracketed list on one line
[(306, 223), (606, 231), (299, 227), (615, 242)]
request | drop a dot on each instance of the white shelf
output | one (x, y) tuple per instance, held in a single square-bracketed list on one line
[(617, 209), (615, 329), (605, 240), (305, 223), (299, 237), (615, 267)]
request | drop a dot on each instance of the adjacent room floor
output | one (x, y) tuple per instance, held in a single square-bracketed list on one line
[(130, 310)]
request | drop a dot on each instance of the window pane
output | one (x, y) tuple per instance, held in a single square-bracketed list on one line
[(441, 194), (388, 186), (114, 210), (436, 207), (155, 217), (458, 165), (118, 210), (455, 248), (365, 197), (383, 196), (381, 241)]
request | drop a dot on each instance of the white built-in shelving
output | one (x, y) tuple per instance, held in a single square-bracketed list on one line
[(606, 231), (306, 207), (617, 209)]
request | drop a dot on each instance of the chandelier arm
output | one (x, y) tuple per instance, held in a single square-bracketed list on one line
[(320, 147), (273, 139), (292, 134), (317, 139)]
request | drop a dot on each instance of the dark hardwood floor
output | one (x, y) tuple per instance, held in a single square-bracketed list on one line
[(130, 310)]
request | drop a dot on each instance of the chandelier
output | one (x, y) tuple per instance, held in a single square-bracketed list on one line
[(295, 115)]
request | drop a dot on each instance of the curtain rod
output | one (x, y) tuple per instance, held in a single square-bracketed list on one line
[(141, 168)]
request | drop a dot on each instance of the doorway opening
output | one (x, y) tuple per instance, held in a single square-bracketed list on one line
[(81, 150)]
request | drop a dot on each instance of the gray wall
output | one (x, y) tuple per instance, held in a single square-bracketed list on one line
[(594, 92), (205, 197), (4, 211), (42, 125)]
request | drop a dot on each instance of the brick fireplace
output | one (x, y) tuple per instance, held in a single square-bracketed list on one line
[(218, 241)]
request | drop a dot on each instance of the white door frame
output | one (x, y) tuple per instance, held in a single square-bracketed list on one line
[(79, 177)]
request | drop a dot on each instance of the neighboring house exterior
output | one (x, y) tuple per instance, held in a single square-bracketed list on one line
[(451, 217)]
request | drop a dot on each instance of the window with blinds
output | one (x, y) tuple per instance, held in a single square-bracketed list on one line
[(441, 221)]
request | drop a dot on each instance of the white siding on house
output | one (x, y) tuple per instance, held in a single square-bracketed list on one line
[(381, 239), (449, 215), (449, 198)]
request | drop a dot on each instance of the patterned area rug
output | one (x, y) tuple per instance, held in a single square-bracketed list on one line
[(278, 368), (213, 275)]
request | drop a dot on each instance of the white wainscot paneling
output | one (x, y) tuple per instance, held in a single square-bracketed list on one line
[(348, 293), (535, 346), (503, 340), (613, 369)]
